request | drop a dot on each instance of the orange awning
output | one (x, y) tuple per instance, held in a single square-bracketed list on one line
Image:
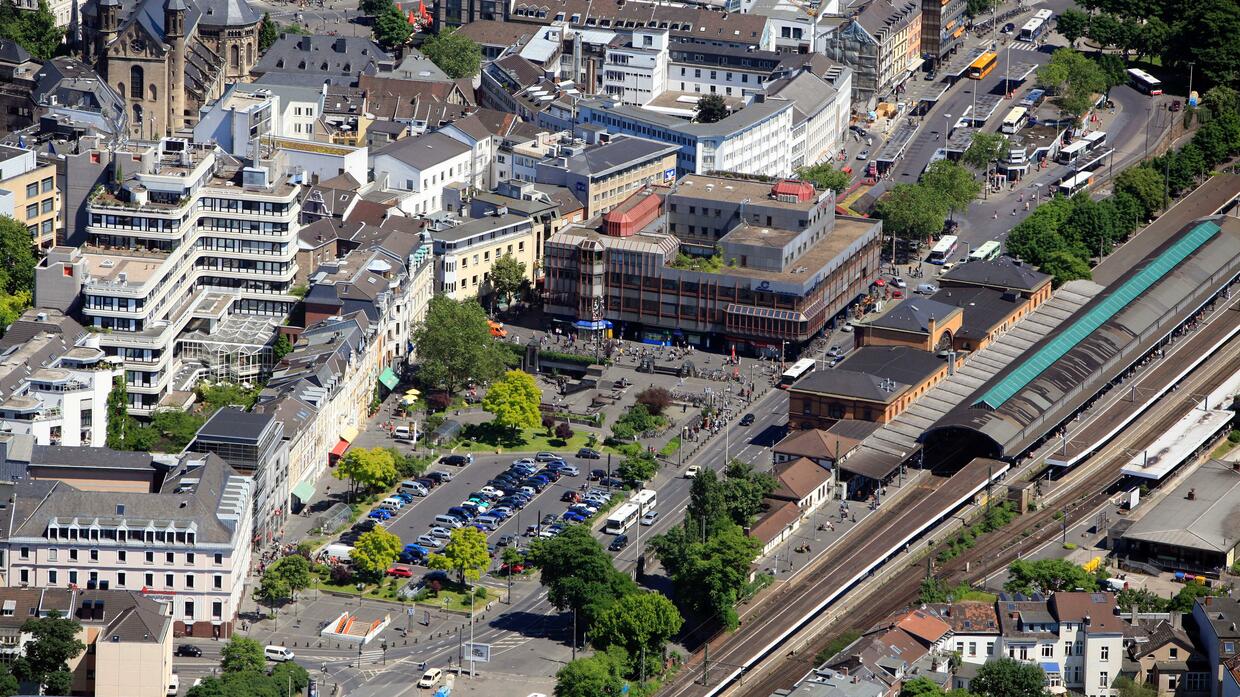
[(342, 446)]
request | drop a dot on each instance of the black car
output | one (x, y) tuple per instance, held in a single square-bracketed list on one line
[(439, 477), (747, 420), (618, 543), (597, 474), (189, 651), (365, 525), (589, 454), (613, 482), (457, 460), (1009, 27)]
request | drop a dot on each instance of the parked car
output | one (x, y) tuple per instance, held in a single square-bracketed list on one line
[(614, 482), (189, 651), (379, 514), (899, 282), (864, 154), (597, 474), (927, 289), (693, 471), (571, 497), (589, 454), (506, 540), (618, 543), (439, 477), (441, 533), (457, 460), (400, 571), (650, 517), (748, 419), (545, 456), (1175, 105), (1009, 27), (574, 516), (429, 542)]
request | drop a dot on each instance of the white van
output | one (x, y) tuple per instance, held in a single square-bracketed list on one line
[(339, 551), (392, 504), (279, 654), (174, 685), (412, 487), (402, 433), (449, 521)]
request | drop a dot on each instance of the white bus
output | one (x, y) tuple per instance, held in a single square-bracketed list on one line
[(1095, 140), (1069, 153), (1076, 184), (986, 252), (621, 519), (1145, 82), (943, 250), (798, 369), (1032, 30), (1015, 120), (645, 500)]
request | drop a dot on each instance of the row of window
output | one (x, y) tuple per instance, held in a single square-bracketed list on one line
[(122, 556), (45, 206), (33, 188)]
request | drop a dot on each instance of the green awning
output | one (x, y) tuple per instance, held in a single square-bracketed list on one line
[(389, 379), (303, 491)]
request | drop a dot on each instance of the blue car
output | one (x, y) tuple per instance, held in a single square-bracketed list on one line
[(379, 514), (574, 517), (500, 514), (407, 498), (417, 549), (407, 557)]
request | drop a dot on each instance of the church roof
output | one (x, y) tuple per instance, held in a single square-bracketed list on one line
[(228, 13)]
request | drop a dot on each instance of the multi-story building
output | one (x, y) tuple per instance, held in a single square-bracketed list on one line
[(186, 542), (636, 73), (128, 637), (248, 111), (28, 192), (604, 175), (421, 167), (1218, 634), (191, 237), (715, 262), (882, 44), (823, 109), (875, 383), (65, 403), (465, 251), (942, 29), (252, 443)]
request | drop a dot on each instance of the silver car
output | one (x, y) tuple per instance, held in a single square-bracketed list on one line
[(441, 533)]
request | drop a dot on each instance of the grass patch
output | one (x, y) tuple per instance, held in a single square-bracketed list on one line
[(448, 599), (980, 596), (1227, 445), (836, 645), (672, 446), (488, 436)]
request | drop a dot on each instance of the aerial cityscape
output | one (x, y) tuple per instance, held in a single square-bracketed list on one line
[(620, 348)]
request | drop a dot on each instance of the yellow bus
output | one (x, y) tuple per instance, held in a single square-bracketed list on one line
[(981, 67)]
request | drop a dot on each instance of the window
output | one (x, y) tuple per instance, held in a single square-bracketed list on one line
[(51, 577), (150, 557), (1196, 682), (32, 210), (46, 226), (189, 558), (24, 577), (24, 553), (1173, 653), (1229, 647), (53, 554), (47, 204), (46, 184), (73, 555), (121, 556), (136, 79), (1104, 679), (1106, 653), (170, 557), (73, 576), (148, 579), (217, 609), (217, 582), (189, 580), (120, 579), (972, 648), (94, 555), (189, 609), (1048, 651), (32, 189), (168, 581), (219, 559)]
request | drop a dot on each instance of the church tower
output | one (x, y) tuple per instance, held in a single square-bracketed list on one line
[(109, 24), (174, 31)]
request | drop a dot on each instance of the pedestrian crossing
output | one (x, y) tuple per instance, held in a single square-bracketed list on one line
[(1023, 46)]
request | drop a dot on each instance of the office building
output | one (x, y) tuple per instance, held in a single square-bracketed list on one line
[(28, 192)]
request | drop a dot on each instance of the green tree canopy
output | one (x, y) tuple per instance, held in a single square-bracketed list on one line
[(281, 348), (912, 212), (744, 489), (1047, 576), (709, 575), (1065, 266), (242, 654), (1007, 677), (465, 555), (267, 33), (984, 149), (641, 623), (1073, 24), (514, 401), (507, 276), (953, 183), (711, 108), (455, 346), (454, 53), (35, 30), (1143, 183), (391, 27), (1074, 79), (637, 469), (272, 590), (600, 675), (367, 468), (45, 658), (293, 569), (920, 686), (578, 574), (375, 551), (824, 176)]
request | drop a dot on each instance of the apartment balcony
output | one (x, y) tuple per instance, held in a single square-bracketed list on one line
[(103, 200)]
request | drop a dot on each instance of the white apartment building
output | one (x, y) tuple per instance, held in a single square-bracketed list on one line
[(636, 73), (248, 111), (187, 544), (65, 403), (191, 237), (482, 144), (1076, 638), (824, 106), (422, 167)]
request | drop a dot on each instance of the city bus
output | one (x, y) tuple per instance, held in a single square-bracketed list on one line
[(943, 250), (1015, 120), (1071, 152), (981, 67), (1076, 184), (987, 252), (645, 500), (621, 519), (1095, 140), (1145, 82), (1032, 30), (1033, 99), (798, 369)]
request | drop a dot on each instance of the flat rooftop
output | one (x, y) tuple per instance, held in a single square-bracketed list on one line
[(760, 236), (846, 233), (1204, 521), (708, 188), (138, 269)]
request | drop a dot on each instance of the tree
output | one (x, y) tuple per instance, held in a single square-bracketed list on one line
[(1065, 266), (454, 53), (36, 31), (744, 489), (465, 554), (655, 399), (977, 8), (18, 254), (600, 675), (824, 176), (281, 348), (375, 551), (641, 623), (392, 28), (1073, 24), (1075, 79), (1007, 677), (578, 574), (374, 8), (367, 468), (45, 658), (636, 469), (1141, 600), (272, 590), (911, 212), (242, 654), (1047, 576), (711, 108), (920, 686), (1221, 99), (1152, 37), (293, 570), (563, 431), (1105, 30), (290, 677), (514, 401), (1114, 70), (1128, 213), (1143, 183), (1089, 224), (118, 413), (953, 183), (267, 33), (707, 512), (507, 275), (1204, 34), (709, 578), (984, 149), (8, 684), (455, 346)]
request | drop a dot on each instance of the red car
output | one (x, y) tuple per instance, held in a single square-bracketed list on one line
[(515, 569), (571, 497), (401, 571)]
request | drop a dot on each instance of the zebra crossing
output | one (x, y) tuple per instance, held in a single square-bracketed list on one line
[(1022, 46)]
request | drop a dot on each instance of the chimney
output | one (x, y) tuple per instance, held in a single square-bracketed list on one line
[(1207, 600), (1088, 620)]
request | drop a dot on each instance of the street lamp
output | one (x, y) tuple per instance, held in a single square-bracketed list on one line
[(947, 128)]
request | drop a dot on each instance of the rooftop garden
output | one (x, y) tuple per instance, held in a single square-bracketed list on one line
[(713, 263)]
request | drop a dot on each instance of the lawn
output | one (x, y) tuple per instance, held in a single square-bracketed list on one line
[(1223, 448), (670, 449), (980, 596), (527, 440), (451, 600), (384, 591)]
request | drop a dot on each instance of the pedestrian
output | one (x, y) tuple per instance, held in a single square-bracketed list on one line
[(996, 215), (1013, 211)]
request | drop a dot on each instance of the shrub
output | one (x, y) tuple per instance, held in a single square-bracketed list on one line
[(480, 592), (341, 574), (438, 401), (1069, 546), (548, 422), (563, 431), (655, 399)]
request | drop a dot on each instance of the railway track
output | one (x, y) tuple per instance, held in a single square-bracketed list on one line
[(1082, 490)]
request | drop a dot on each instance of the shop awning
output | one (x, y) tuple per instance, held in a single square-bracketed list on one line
[(1050, 667), (349, 433), (303, 491), (342, 446), (389, 379), (597, 324)]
